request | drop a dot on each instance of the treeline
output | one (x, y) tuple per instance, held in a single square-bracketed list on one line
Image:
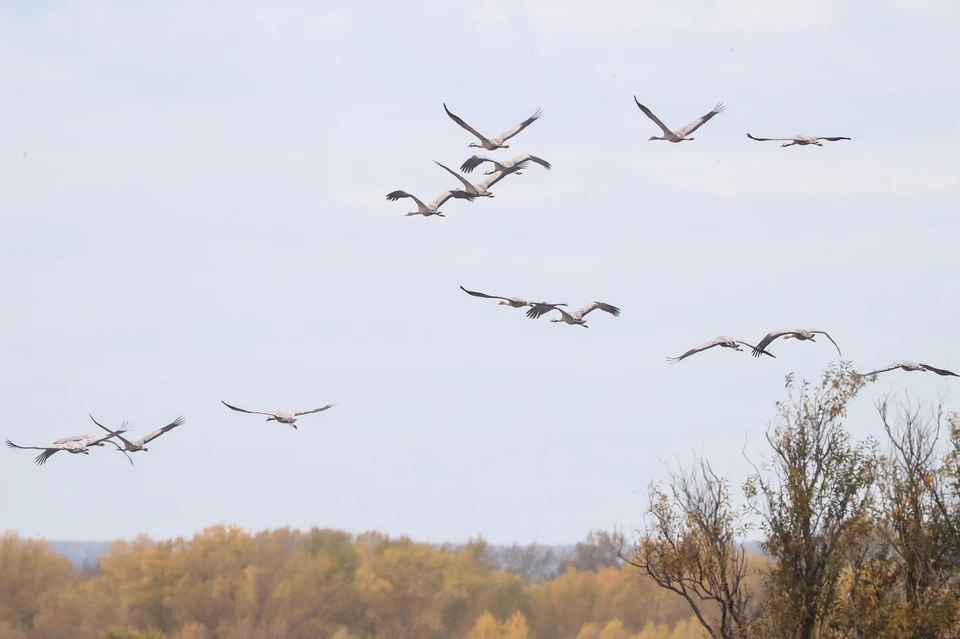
[(226, 583)]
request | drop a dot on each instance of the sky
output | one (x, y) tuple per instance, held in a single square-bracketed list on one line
[(192, 210)]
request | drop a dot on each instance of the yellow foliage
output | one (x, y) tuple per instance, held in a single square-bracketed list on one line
[(487, 627), (283, 584)]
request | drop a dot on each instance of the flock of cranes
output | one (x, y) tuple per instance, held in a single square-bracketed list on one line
[(501, 168), (81, 444)]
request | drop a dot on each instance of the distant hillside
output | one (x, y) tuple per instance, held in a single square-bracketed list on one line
[(80, 552)]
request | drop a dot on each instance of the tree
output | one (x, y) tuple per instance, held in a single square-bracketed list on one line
[(813, 499), (600, 549), (915, 509), (31, 574), (691, 548)]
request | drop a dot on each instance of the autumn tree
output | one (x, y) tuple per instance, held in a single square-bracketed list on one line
[(917, 512), (813, 498), (31, 575), (692, 547)]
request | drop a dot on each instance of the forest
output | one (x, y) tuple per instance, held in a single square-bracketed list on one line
[(858, 538)]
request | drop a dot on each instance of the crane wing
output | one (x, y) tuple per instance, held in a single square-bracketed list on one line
[(527, 157), (466, 126), (817, 330), (771, 139), (489, 297), (499, 175), (466, 184), (592, 306), (939, 371), (506, 135), (655, 119), (757, 349), (51, 447), (883, 370), (832, 139), (396, 195), (315, 410), (695, 350), (160, 431), (242, 410), (476, 160), (699, 122), (446, 195), (541, 308), (769, 337)]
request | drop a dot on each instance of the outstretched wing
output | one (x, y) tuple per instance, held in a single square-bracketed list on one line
[(541, 308), (396, 195), (466, 126), (699, 122), (12, 445), (474, 161), (757, 349), (489, 297), (695, 350), (160, 431), (527, 157), (499, 175), (466, 184), (832, 139), (883, 370), (939, 371), (769, 337), (315, 410), (655, 119), (592, 306), (42, 457), (817, 330), (506, 135), (120, 437), (446, 195), (242, 410), (770, 139)]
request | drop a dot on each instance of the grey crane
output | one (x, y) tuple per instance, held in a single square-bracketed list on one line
[(513, 302), (680, 135), (492, 144), (802, 334), (908, 365), (723, 340), (481, 189), (432, 208), (140, 444), (504, 166), (73, 445), (282, 416), (799, 140), (574, 317)]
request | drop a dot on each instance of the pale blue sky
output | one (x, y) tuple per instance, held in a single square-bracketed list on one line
[(199, 215)]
